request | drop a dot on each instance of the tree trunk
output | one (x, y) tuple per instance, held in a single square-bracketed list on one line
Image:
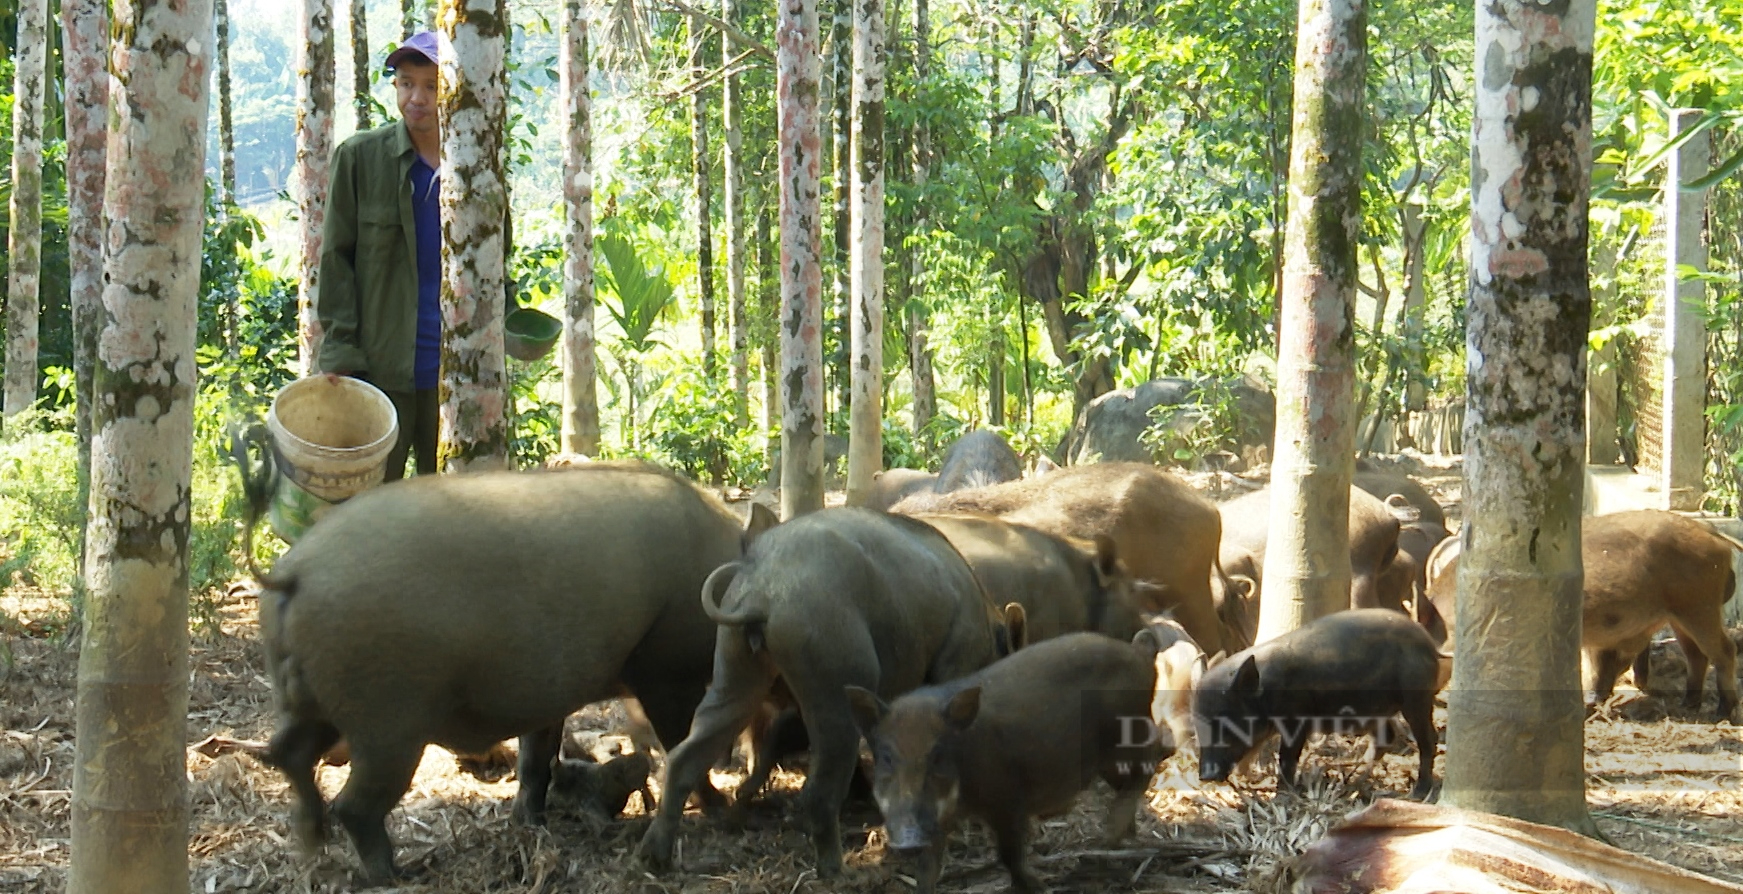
[(226, 127), (85, 30), (580, 349), (919, 352), (315, 73), (408, 18), (865, 450), (473, 108), (1307, 567), (798, 71), (768, 288), (360, 63), (840, 122), (1515, 718), (24, 235), (130, 803), (704, 198), (731, 111)]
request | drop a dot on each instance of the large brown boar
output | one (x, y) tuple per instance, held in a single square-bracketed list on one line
[(1064, 585), (1163, 530), (1643, 569), (463, 610), (1019, 739), (836, 598)]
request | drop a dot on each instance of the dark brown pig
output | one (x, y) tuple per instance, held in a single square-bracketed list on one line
[(890, 486), (463, 610), (1344, 673), (1373, 550), (1164, 531), (1382, 484), (1643, 569), (836, 598), (978, 459), (1019, 739), (1064, 586)]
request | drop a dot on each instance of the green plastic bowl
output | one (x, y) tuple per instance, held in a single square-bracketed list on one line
[(529, 334)]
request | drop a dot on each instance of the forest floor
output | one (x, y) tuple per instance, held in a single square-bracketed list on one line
[(1662, 782)]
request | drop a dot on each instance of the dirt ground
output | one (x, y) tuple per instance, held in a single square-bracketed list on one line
[(1662, 781)]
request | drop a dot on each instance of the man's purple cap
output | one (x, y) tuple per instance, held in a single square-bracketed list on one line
[(421, 44)]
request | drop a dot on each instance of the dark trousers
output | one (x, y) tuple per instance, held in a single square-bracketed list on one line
[(417, 431)]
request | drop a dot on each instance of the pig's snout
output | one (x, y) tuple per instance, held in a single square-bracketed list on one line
[(908, 836)]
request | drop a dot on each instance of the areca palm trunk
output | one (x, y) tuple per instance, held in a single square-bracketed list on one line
[(865, 452), (130, 804), (226, 127), (360, 63), (315, 73), (704, 193), (1515, 718), (1307, 568), (732, 161), (919, 352), (580, 347), (85, 24), (473, 108), (24, 236), (801, 226)]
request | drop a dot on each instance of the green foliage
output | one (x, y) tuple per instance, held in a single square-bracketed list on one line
[(40, 514), (693, 431), (642, 293)]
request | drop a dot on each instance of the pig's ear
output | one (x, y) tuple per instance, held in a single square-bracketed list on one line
[(960, 711), (868, 709), (1016, 627), (1247, 677), (762, 518), (1107, 559)]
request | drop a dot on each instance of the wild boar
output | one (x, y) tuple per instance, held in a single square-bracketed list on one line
[(836, 598), (1373, 549), (1180, 663), (463, 610), (1018, 739), (1643, 569), (1382, 484), (978, 459), (890, 486), (1346, 672), (1064, 586), (1163, 530)]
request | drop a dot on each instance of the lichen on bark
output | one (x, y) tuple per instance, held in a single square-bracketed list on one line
[(797, 84)]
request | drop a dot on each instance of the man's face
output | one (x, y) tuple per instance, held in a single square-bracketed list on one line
[(415, 84)]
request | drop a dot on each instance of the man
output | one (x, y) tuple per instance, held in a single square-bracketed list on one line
[(379, 302)]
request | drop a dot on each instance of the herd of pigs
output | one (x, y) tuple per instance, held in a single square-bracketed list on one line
[(999, 642)]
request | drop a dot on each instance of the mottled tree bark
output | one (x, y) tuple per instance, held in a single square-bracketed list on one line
[(702, 186), (768, 300), (1307, 567), (1515, 719), (226, 127), (85, 30), (840, 126), (24, 236), (919, 352), (360, 63), (473, 103), (580, 349), (798, 71), (315, 73), (732, 110), (130, 805), (865, 450)]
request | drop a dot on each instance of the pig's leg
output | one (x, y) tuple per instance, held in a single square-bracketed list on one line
[(834, 760), (1012, 834), (931, 866), (381, 772), (1607, 665), (1643, 668), (537, 750), (1420, 716), (1288, 755), (1710, 640), (770, 747), (669, 709), (295, 749), (741, 681)]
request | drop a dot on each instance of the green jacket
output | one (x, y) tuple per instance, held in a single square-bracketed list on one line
[(367, 300)]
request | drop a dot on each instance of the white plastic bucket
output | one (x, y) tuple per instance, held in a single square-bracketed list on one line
[(331, 437)]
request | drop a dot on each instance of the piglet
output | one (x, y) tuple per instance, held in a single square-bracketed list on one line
[(1019, 738)]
